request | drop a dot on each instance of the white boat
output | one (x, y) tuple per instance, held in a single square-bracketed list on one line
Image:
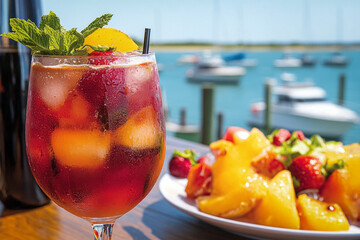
[(188, 59), (336, 60), (287, 61), (307, 60), (302, 106), (212, 69)]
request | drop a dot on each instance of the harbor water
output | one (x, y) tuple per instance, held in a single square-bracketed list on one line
[(234, 101)]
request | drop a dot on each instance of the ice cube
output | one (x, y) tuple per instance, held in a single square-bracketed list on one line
[(55, 83), (138, 76)]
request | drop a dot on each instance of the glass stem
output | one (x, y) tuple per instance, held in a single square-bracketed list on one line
[(102, 231)]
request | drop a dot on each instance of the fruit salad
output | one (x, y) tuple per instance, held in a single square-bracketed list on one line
[(282, 180)]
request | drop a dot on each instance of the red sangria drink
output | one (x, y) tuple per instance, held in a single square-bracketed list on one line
[(95, 131)]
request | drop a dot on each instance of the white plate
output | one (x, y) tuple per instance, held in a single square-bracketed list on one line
[(173, 191)]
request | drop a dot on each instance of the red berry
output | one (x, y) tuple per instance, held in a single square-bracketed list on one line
[(101, 57), (300, 135), (179, 167), (281, 137), (207, 159), (104, 88), (307, 170), (275, 166), (231, 131)]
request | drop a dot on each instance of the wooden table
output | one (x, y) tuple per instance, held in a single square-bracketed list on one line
[(153, 218)]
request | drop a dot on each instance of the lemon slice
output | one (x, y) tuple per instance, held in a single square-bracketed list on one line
[(111, 37)]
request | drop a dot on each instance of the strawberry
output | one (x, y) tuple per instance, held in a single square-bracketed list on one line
[(281, 136), (179, 167), (233, 132), (268, 164), (300, 135), (307, 173), (101, 57), (104, 89), (208, 159), (199, 181)]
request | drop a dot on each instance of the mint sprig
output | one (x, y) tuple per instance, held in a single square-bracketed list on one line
[(50, 38)]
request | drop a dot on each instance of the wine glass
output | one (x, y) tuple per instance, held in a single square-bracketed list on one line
[(95, 133)]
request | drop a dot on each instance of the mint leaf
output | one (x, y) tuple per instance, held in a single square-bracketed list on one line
[(51, 38), (296, 181), (300, 147), (327, 170), (73, 40), (28, 34), (189, 154), (50, 20), (56, 40), (317, 141), (97, 23)]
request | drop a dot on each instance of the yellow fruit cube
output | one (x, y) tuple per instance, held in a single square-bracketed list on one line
[(321, 216), (233, 163), (141, 131), (233, 204), (80, 148), (278, 207)]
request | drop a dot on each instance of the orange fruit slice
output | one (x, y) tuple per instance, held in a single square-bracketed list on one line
[(141, 130), (80, 148), (111, 37)]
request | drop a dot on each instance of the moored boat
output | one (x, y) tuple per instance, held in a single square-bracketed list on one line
[(303, 106), (212, 68), (287, 61)]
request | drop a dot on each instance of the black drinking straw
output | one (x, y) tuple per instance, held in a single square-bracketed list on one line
[(146, 41)]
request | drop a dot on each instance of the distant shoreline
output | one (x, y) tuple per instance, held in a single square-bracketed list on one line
[(292, 48)]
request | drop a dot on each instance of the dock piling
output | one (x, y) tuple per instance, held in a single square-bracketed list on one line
[(341, 95), (207, 120), (268, 108), (220, 118)]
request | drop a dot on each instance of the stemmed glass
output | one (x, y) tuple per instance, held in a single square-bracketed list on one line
[(95, 133)]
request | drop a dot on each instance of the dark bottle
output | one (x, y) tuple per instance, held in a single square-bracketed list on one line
[(17, 185)]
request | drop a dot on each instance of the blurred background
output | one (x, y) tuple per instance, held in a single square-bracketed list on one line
[(238, 46), (302, 41)]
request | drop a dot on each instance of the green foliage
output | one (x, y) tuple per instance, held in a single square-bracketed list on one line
[(51, 38)]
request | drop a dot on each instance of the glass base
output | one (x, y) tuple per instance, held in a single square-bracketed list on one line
[(105, 220)]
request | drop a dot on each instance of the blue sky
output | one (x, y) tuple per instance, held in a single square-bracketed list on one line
[(220, 21)]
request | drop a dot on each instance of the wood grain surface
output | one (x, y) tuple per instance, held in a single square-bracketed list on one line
[(153, 218)]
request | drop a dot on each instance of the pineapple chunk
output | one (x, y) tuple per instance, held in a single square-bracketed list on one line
[(234, 204), (80, 148), (233, 164), (140, 131), (321, 216), (337, 190), (278, 207)]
